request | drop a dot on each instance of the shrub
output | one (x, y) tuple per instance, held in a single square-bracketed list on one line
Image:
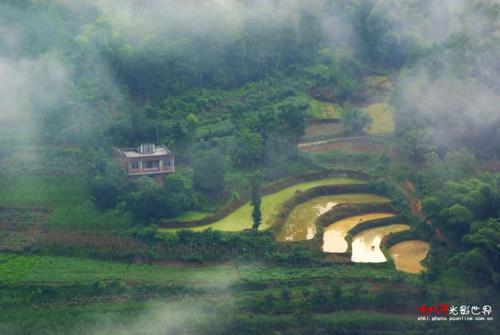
[(150, 202), (105, 193)]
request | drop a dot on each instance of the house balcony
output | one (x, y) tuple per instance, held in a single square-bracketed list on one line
[(150, 171)]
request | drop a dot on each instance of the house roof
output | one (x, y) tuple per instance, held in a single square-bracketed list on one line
[(134, 152)]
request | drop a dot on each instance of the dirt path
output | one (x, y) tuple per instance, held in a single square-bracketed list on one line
[(350, 144), (328, 141), (407, 188)]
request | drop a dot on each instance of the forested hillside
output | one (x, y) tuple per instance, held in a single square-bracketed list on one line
[(292, 123)]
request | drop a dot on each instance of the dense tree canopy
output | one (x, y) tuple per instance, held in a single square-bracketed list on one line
[(208, 172), (149, 202), (467, 211)]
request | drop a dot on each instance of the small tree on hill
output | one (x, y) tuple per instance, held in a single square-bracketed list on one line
[(256, 202), (105, 192)]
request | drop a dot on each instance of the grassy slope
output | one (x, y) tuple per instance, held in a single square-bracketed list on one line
[(15, 269), (60, 270), (320, 109), (383, 122), (191, 216), (34, 191), (49, 269)]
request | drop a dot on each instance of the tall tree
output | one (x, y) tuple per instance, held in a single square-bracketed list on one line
[(256, 201)]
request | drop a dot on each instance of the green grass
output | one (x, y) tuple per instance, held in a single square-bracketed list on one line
[(241, 218), (34, 191), (371, 272), (383, 122), (87, 218), (191, 216), (49, 269), (321, 110)]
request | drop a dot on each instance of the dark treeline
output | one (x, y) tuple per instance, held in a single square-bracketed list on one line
[(156, 67)]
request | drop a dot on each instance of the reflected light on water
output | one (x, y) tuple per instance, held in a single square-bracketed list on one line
[(366, 245)]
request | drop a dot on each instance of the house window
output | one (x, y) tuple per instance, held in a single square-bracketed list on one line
[(151, 164), (134, 165), (167, 163)]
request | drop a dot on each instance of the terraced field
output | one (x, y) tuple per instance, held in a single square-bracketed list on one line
[(383, 122), (335, 234), (366, 245), (241, 218), (301, 223), (324, 129), (408, 255)]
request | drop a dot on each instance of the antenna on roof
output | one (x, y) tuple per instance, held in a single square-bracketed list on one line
[(157, 141)]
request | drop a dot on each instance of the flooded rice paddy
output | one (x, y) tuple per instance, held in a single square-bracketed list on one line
[(408, 255), (334, 235), (301, 223), (366, 245)]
